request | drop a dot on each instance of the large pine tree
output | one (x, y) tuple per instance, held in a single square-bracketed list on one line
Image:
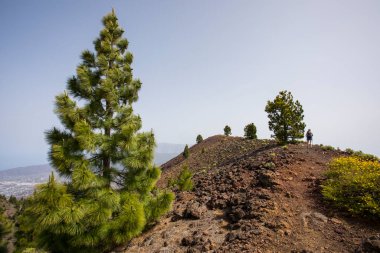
[(109, 195), (285, 117)]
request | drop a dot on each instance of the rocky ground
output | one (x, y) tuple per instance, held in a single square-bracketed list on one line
[(255, 196)]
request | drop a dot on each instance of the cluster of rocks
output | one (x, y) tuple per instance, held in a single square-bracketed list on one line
[(369, 245), (198, 242), (242, 189)]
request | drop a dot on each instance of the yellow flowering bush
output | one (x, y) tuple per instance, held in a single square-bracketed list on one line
[(354, 184)]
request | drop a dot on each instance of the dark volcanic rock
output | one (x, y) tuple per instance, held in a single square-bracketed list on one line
[(265, 178), (197, 242), (236, 214), (370, 245), (194, 210), (254, 196)]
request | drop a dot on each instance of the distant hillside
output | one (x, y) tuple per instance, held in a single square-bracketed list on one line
[(255, 196), (166, 151), (160, 158), (26, 172), (169, 148), (20, 181)]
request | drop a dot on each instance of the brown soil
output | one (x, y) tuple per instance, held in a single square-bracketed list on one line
[(253, 196)]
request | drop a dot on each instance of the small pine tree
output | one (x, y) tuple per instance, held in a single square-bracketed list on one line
[(250, 131), (199, 139), (186, 152), (184, 181), (227, 130), (101, 146), (285, 118)]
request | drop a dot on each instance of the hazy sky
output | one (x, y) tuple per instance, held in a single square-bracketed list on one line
[(203, 64)]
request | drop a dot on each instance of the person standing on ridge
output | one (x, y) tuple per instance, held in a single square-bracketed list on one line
[(309, 138)]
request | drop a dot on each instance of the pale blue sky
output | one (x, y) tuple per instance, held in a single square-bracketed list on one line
[(203, 64)]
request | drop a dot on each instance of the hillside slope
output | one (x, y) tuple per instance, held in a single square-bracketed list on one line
[(253, 196)]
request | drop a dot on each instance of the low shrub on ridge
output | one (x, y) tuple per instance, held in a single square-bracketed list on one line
[(353, 184)]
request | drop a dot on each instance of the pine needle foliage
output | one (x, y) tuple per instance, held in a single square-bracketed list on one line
[(5, 228), (227, 130), (199, 138), (285, 118), (250, 131), (184, 181), (186, 152), (110, 195)]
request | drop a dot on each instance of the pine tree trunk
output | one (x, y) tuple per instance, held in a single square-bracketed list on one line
[(106, 158), (285, 134), (107, 131)]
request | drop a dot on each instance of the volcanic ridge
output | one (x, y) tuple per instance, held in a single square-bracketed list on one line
[(255, 196)]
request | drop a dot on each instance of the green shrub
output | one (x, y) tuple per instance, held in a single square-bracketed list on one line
[(365, 157), (171, 183), (269, 165), (327, 148), (354, 185), (361, 155)]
